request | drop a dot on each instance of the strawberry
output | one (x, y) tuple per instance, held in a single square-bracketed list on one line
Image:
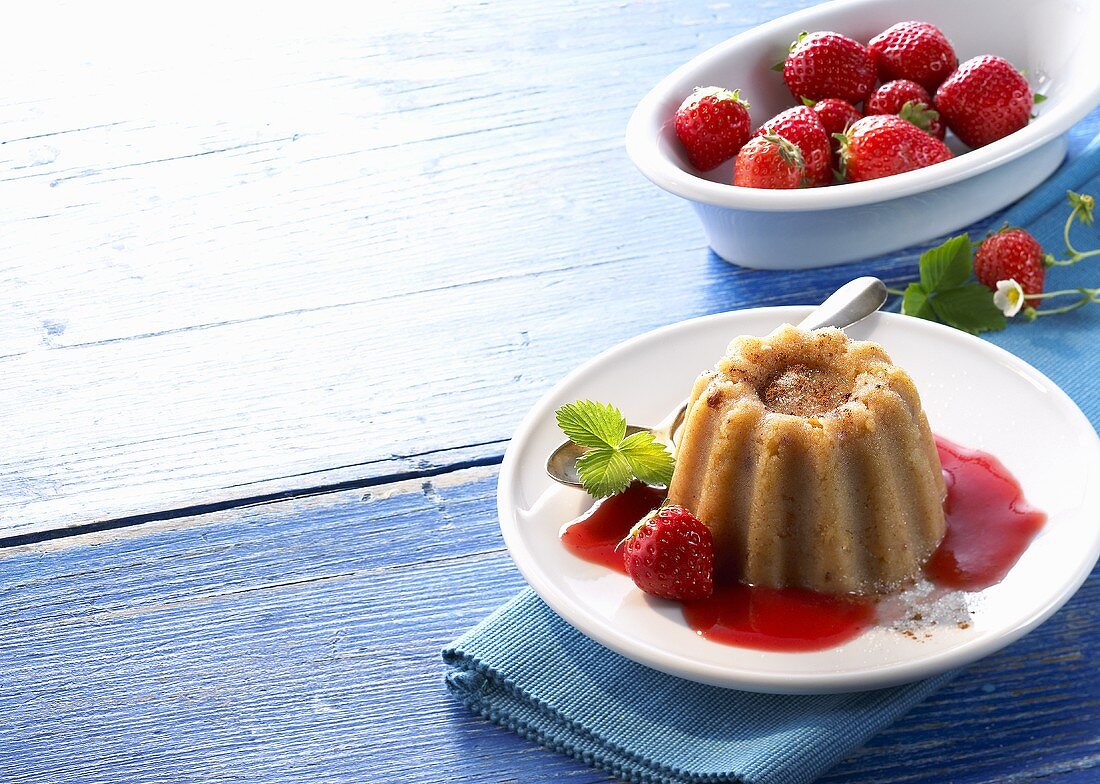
[(802, 126), (984, 100), (670, 554), (713, 124), (769, 162), (1011, 254), (908, 100), (883, 144), (890, 97), (829, 65), (836, 115), (916, 51)]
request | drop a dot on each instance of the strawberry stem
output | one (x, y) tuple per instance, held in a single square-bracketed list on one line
[(1083, 205), (1086, 296)]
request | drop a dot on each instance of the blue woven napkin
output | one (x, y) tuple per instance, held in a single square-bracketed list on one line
[(528, 670)]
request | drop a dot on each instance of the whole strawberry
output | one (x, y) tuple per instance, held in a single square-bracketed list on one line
[(713, 124), (883, 144), (888, 98), (670, 554), (985, 100), (829, 65), (769, 162), (836, 115), (1011, 254), (908, 100), (916, 51), (801, 125)]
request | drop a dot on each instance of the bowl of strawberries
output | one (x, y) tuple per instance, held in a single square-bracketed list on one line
[(860, 127)]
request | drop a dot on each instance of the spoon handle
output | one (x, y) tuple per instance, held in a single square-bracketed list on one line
[(851, 303)]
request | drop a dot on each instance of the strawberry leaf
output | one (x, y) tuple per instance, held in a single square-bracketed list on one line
[(915, 302), (604, 471), (611, 458), (649, 460), (969, 308), (946, 266), (592, 424)]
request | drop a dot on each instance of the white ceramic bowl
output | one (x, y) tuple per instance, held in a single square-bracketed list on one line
[(1051, 40)]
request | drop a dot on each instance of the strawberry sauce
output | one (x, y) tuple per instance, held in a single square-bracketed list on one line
[(778, 619), (989, 525), (595, 535)]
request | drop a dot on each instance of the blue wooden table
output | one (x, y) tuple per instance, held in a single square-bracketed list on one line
[(278, 287)]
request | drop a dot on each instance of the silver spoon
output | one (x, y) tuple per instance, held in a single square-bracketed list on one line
[(848, 305)]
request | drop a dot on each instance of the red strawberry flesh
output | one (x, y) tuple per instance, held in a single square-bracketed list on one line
[(713, 124), (670, 554), (802, 126), (769, 162), (908, 100), (883, 145), (917, 51), (985, 100), (1011, 254), (829, 65)]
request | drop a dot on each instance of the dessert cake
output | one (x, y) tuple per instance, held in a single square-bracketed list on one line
[(810, 460)]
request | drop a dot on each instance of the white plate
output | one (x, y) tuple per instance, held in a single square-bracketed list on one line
[(975, 394)]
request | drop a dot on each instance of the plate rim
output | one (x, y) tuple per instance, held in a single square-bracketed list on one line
[(740, 677)]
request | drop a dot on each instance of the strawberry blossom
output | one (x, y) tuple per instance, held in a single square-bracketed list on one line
[(1009, 297)]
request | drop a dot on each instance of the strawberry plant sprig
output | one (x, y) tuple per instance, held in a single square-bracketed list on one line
[(945, 293), (1082, 207), (612, 459), (975, 287)]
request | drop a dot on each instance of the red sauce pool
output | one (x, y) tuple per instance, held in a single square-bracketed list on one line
[(989, 525), (778, 619), (596, 534)]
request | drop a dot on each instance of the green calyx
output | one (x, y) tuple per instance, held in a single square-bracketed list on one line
[(788, 151), (719, 94), (801, 37), (1083, 206), (843, 153), (919, 114)]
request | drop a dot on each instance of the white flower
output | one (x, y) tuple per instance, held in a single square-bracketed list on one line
[(1009, 297)]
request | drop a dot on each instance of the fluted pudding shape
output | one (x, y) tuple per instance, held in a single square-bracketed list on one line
[(810, 459)]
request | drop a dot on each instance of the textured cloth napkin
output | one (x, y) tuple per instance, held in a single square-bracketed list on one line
[(528, 670)]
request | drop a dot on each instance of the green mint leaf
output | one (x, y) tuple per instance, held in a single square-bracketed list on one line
[(1038, 98), (946, 266), (915, 302), (591, 424), (969, 308), (604, 471), (649, 460)]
